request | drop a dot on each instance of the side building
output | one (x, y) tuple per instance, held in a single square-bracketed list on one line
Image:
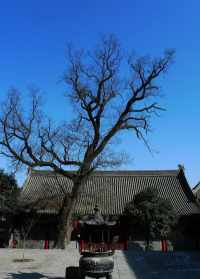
[(196, 191), (111, 190)]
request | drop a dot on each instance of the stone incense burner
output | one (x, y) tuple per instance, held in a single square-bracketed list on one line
[(96, 264), (97, 256)]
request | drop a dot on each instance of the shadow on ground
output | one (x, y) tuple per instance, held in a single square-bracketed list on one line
[(72, 272), (32, 275), (156, 265), (135, 260)]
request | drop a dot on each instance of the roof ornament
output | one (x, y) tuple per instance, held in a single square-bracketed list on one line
[(181, 167)]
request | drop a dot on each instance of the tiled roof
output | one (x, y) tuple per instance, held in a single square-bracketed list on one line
[(111, 190)]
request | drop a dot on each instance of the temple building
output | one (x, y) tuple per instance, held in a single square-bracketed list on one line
[(111, 190), (196, 191)]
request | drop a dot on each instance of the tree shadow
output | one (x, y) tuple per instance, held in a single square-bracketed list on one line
[(72, 272), (32, 275)]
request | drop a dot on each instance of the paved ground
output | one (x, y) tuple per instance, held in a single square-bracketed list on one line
[(51, 264)]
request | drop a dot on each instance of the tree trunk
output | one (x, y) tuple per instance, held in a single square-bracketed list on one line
[(65, 217), (147, 237), (147, 244)]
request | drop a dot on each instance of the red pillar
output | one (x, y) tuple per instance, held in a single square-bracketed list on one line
[(81, 246), (164, 245), (46, 244)]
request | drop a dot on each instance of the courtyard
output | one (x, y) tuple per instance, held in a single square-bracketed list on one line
[(131, 264)]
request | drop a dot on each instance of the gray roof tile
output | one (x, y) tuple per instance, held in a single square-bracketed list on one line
[(111, 190)]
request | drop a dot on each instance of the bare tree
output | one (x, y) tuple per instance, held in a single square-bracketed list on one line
[(26, 227), (110, 92)]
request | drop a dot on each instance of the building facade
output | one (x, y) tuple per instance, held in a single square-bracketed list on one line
[(111, 190)]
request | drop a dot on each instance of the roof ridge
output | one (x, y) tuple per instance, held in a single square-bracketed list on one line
[(113, 172)]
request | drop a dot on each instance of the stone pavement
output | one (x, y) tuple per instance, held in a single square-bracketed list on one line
[(51, 264)]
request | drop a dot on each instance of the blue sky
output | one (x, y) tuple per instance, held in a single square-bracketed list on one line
[(33, 38)]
